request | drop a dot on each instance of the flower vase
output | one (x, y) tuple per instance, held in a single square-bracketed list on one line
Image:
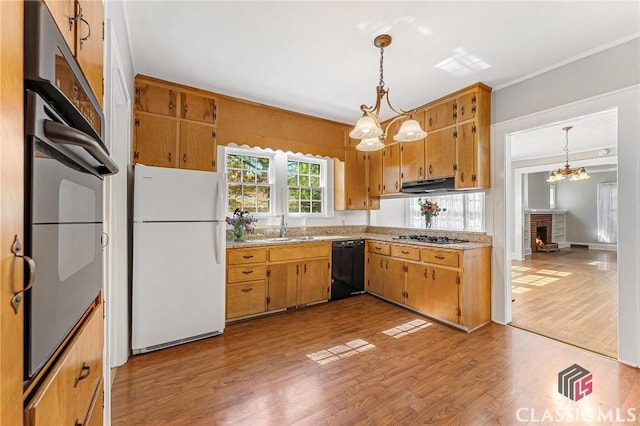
[(427, 221), (238, 232)]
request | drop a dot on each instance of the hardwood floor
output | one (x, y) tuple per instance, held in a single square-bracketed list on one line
[(570, 295), (316, 366)]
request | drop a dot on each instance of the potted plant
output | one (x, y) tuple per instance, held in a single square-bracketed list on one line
[(429, 209), (242, 223)]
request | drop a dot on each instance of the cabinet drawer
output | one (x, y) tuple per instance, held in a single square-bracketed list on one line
[(246, 299), (405, 252), (380, 248), (296, 251), (65, 396), (240, 257), (246, 273), (440, 257)]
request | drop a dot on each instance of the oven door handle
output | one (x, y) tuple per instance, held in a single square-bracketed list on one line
[(66, 135)]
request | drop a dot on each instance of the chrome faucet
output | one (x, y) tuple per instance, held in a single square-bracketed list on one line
[(283, 227)]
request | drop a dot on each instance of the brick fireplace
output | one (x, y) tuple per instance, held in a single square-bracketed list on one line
[(541, 229)]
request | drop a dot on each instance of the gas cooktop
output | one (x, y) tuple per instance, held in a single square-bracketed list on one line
[(428, 239)]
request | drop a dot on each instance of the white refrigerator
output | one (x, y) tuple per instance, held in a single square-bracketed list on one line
[(179, 228)]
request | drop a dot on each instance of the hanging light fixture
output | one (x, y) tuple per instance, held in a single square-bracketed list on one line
[(368, 127), (574, 174)]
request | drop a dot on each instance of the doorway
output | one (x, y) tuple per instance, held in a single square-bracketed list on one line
[(563, 275)]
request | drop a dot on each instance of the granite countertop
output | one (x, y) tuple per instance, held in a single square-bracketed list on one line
[(383, 237)]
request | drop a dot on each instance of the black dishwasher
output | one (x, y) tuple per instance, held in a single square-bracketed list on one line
[(347, 272)]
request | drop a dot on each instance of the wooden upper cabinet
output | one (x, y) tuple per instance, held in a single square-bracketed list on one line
[(356, 179), (412, 161), (466, 154), (90, 43), (155, 140), (391, 169), (375, 173), (441, 115), (63, 11), (155, 99), (84, 36), (197, 146), (199, 108), (440, 153), (467, 106)]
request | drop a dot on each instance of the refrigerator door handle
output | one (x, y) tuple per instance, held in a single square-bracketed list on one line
[(217, 245), (221, 190)]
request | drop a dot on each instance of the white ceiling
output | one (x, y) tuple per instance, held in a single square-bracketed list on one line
[(318, 58)]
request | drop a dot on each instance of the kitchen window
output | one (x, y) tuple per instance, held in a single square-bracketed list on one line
[(305, 192), (465, 212), (267, 183), (250, 181)]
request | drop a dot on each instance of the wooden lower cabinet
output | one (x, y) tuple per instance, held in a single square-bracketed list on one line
[(394, 279), (277, 277), (71, 393), (450, 285), (418, 290), (444, 297), (375, 273)]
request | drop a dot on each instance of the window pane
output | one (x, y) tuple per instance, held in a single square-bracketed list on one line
[(314, 181), (315, 169), (305, 194), (263, 164), (304, 168), (234, 161), (294, 193), (292, 180), (305, 207), (316, 207), (316, 194), (294, 207), (292, 168), (304, 180), (234, 175), (262, 177)]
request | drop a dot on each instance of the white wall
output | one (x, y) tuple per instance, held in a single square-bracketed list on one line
[(607, 79), (580, 200), (538, 190)]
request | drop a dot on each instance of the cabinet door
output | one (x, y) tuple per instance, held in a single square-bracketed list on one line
[(355, 169), (467, 107), (394, 279), (62, 11), (466, 150), (391, 169), (155, 140), (199, 108), (375, 173), (440, 154), (315, 280), (197, 146), (155, 99), (90, 44), (412, 161), (282, 285), (444, 293), (375, 273), (440, 116), (417, 293)]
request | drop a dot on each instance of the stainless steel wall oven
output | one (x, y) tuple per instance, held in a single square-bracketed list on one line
[(66, 160)]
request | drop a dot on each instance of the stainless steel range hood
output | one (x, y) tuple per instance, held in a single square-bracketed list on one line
[(429, 185)]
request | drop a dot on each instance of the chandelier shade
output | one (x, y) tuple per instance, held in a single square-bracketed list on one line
[(567, 171), (368, 127), (372, 144)]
